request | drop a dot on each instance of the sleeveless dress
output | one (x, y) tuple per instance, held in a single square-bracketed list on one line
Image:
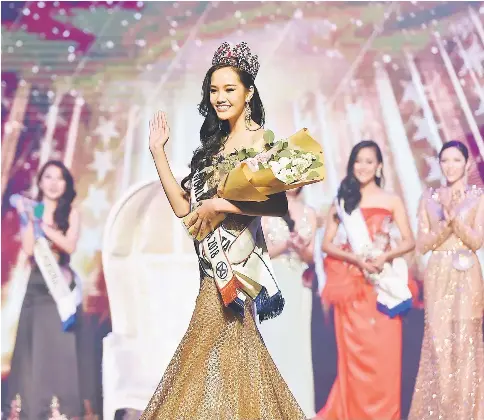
[(369, 343), (450, 380), (50, 368), (288, 337), (222, 370)]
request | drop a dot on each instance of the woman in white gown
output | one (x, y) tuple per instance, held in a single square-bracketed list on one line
[(290, 242)]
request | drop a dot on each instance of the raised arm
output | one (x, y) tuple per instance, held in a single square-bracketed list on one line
[(159, 135), (27, 236), (429, 239), (472, 236)]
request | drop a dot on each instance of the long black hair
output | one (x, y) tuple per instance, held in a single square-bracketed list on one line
[(214, 130), (64, 204), (349, 190), (461, 147)]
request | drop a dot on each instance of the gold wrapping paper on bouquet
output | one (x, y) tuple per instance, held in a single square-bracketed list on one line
[(243, 184)]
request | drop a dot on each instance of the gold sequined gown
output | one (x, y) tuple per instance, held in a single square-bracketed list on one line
[(222, 369), (450, 381)]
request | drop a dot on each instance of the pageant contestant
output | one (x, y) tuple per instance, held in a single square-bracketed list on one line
[(368, 333), (451, 225), (290, 242), (221, 369), (46, 379)]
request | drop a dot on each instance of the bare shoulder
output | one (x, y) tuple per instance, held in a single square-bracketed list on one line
[(258, 138), (390, 200)]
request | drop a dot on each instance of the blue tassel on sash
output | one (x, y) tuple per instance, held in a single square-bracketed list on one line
[(401, 309), (268, 307)]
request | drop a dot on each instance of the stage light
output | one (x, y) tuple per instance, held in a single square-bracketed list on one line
[(35, 69), (19, 43), (137, 16), (26, 11)]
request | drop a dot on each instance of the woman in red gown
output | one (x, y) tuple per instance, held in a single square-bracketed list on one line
[(369, 342)]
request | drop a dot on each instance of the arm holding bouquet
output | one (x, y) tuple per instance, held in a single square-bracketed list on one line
[(252, 182)]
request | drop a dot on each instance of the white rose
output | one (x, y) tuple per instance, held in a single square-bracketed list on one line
[(284, 161), (275, 166)]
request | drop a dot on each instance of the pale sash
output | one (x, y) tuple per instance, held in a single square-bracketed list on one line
[(391, 285), (242, 258), (66, 300)]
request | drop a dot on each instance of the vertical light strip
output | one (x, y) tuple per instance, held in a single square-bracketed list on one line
[(350, 117), (51, 122), (477, 23), (438, 108), (128, 148), (397, 138), (73, 131), (472, 73), (328, 141), (460, 94), (436, 140), (12, 130)]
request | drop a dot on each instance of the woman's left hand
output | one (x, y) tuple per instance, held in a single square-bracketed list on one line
[(203, 217), (298, 243), (379, 261)]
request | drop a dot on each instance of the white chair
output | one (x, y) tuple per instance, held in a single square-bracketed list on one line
[(152, 281)]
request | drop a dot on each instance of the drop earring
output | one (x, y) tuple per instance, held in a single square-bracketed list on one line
[(248, 115)]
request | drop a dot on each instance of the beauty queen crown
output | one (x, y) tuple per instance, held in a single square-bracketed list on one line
[(239, 56)]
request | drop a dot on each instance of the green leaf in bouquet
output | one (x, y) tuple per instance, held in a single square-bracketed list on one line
[(261, 166), (312, 175), (315, 165), (268, 137), (285, 144), (251, 152), (284, 153), (241, 155)]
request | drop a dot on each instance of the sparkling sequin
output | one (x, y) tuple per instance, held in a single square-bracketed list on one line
[(448, 384), (221, 371)]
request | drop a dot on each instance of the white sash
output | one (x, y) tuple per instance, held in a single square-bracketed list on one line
[(391, 285), (239, 264)]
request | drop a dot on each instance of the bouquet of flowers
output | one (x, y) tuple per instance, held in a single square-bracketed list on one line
[(249, 175)]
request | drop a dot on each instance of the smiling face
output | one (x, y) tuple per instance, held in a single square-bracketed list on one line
[(227, 94), (366, 165), (52, 184), (453, 165)]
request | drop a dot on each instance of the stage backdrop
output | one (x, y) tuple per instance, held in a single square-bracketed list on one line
[(80, 81)]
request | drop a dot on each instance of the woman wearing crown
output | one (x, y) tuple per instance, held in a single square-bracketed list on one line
[(222, 369)]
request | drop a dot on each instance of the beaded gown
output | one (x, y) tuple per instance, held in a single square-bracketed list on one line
[(222, 370), (288, 337), (450, 381)]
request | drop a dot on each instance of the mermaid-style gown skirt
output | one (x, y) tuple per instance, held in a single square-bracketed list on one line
[(222, 370)]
